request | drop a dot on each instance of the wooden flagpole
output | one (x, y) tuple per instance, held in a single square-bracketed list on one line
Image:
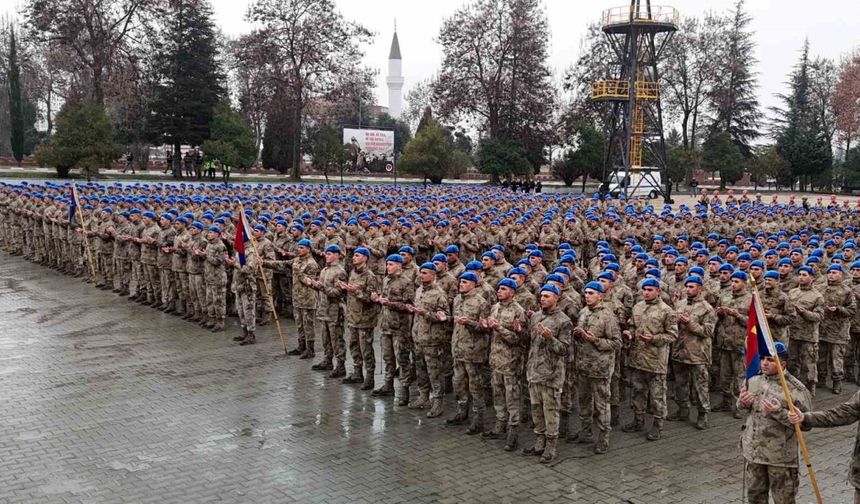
[(801, 441), (80, 212), (263, 278)]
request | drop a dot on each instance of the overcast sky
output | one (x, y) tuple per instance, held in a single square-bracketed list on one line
[(780, 27)]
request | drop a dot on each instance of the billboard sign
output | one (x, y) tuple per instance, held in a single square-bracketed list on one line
[(376, 144)]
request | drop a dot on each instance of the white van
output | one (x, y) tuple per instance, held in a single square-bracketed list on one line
[(638, 183)]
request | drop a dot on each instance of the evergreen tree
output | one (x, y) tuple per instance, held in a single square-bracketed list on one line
[(801, 136), (189, 80), (16, 103), (84, 140), (733, 95), (721, 154), (232, 139), (429, 154)]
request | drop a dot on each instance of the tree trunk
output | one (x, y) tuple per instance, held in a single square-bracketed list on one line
[(297, 137), (584, 180), (177, 160)]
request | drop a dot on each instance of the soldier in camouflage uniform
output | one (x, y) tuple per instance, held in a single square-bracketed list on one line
[(597, 340), (776, 307), (852, 359), (834, 336), (305, 271), (166, 277), (470, 345), (361, 317), (549, 331), (215, 277), (769, 442), (507, 322), (178, 261), (149, 259), (398, 291), (691, 353), (244, 286), (329, 313), (732, 312), (655, 328), (430, 331), (808, 305), (196, 259)]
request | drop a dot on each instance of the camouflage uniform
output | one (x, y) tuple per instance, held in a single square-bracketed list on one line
[(731, 336), (196, 285), (215, 277), (329, 315), (396, 338), (244, 285), (167, 278), (803, 334), (842, 414), (649, 361), (768, 441), (691, 354), (470, 346), (545, 369), (507, 353), (834, 334), (594, 366), (776, 302), (148, 261), (178, 262), (361, 316), (429, 336), (853, 359)]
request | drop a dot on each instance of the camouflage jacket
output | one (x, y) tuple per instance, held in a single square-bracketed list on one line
[(215, 269), (842, 414), (149, 247), (835, 325), (658, 320), (548, 356), (769, 438), (469, 343), (179, 259), (695, 337), (508, 347), (596, 359), (165, 239), (775, 301), (400, 291), (855, 320), (245, 276), (427, 330), (732, 331), (361, 312), (304, 297), (330, 297), (194, 266), (134, 230), (809, 306)]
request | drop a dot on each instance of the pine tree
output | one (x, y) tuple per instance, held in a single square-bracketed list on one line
[(801, 136), (16, 104), (190, 80)]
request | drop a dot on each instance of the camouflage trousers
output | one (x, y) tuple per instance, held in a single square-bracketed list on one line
[(803, 362), (168, 285), (595, 395), (304, 325), (216, 301), (263, 305), (447, 361), (429, 367), (361, 348), (469, 384), (104, 269), (545, 402), (330, 332), (649, 390), (732, 372), (852, 357), (692, 378), (122, 272), (183, 297), (137, 276), (507, 397), (831, 359), (396, 350), (246, 308), (780, 482), (151, 282), (568, 391), (284, 293), (197, 291)]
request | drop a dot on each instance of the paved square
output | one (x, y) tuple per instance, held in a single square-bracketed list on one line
[(109, 401)]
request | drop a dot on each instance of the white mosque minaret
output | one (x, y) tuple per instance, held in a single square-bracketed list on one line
[(395, 79)]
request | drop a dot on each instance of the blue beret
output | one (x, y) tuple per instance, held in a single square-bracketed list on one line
[(489, 255), (439, 258), (781, 349), (536, 253), (650, 282), (606, 275), (682, 260), (784, 261), (693, 279), (406, 249), (595, 286), (474, 266), (215, 229), (727, 267), (167, 216), (740, 275), (428, 266), (554, 277), (757, 264), (470, 276), (333, 248), (261, 228), (452, 249), (507, 282), (148, 214), (363, 251), (550, 288), (771, 274), (716, 259), (745, 256), (654, 272), (396, 258), (697, 270), (304, 242), (517, 271), (612, 267), (197, 224), (835, 267)]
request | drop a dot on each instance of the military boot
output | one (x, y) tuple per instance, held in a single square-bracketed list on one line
[(356, 377), (656, 431), (323, 365), (497, 431), (299, 350), (250, 339), (266, 319), (837, 387), (387, 389), (681, 414), (368, 382), (308, 353), (727, 404), (563, 424), (602, 444), (403, 400), (460, 417), (436, 408), (538, 447), (218, 326), (339, 371), (584, 435), (702, 420), (636, 425), (243, 336), (421, 401), (449, 384), (736, 413), (513, 438), (476, 426), (614, 415), (548, 452)]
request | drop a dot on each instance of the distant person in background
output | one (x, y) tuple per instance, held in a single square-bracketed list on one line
[(168, 161), (188, 164), (694, 188), (129, 162)]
